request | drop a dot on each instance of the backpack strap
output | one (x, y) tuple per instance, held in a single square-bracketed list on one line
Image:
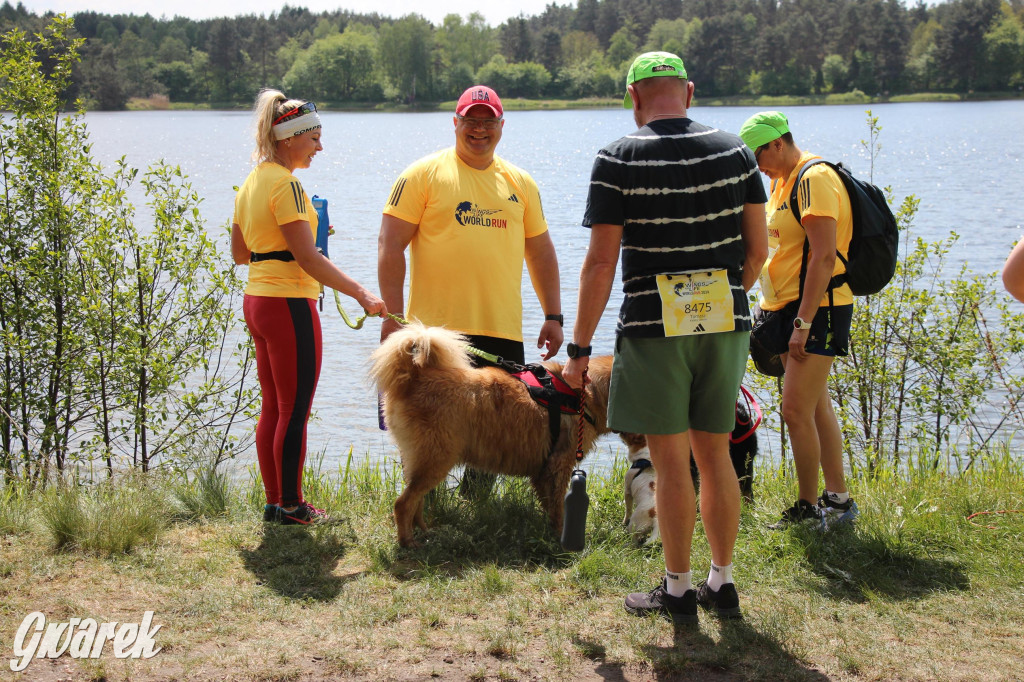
[(837, 280)]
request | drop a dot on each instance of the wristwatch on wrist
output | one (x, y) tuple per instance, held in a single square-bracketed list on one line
[(574, 351), (799, 323), (557, 318)]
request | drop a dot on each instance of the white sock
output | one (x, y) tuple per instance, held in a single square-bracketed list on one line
[(719, 575), (838, 498), (677, 584)]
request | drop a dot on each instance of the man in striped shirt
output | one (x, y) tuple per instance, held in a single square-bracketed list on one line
[(686, 204)]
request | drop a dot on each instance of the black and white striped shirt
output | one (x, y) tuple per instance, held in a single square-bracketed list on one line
[(677, 188)]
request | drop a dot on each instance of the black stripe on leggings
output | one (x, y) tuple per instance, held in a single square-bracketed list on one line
[(305, 383)]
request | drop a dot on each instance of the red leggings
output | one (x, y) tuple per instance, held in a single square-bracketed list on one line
[(286, 332)]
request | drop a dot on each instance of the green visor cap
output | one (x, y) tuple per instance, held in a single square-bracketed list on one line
[(649, 65), (763, 127)]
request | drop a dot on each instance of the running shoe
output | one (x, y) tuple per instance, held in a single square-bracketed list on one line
[(678, 609), (305, 514), (803, 512), (271, 513), (724, 603), (836, 513)]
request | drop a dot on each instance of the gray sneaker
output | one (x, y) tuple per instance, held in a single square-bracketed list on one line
[(837, 513), (679, 609)]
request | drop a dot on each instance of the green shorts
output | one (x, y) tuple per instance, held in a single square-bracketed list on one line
[(673, 384)]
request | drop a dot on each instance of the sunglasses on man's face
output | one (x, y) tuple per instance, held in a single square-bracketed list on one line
[(488, 123), (301, 110)]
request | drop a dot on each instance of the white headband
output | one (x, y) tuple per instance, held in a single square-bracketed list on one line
[(296, 126)]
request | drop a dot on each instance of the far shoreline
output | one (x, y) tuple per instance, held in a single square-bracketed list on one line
[(160, 103)]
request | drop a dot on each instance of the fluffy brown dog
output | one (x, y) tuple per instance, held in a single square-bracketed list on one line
[(442, 412)]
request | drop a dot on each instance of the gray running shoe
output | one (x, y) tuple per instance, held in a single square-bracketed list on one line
[(836, 513), (678, 609)]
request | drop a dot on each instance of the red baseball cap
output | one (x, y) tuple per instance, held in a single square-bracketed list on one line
[(479, 94)]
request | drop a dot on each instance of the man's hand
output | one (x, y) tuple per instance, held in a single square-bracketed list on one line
[(573, 371), (387, 328), (551, 337)]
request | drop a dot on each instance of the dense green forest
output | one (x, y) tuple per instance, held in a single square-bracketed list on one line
[(731, 47)]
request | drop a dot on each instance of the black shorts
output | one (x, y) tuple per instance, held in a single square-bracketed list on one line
[(829, 335), (506, 349)]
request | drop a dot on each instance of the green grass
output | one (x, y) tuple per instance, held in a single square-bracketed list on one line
[(112, 518), (913, 591)]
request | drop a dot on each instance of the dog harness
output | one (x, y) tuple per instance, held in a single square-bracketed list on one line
[(549, 391)]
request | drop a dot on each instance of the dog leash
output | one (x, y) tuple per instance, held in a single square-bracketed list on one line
[(751, 401), (358, 324), (582, 418)]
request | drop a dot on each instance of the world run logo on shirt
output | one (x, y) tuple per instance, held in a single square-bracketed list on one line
[(469, 214)]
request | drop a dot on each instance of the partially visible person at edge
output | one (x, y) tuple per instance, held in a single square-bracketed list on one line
[(273, 231), (1013, 272), (685, 202), (815, 317), (469, 219)]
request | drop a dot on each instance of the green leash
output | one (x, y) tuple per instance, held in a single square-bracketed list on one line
[(489, 357), (358, 324)]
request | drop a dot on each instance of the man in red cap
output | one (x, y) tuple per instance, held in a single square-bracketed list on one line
[(469, 219)]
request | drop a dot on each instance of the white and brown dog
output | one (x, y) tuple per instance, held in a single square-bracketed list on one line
[(641, 481), (638, 490)]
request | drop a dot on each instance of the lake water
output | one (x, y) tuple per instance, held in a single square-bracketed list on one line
[(963, 161)]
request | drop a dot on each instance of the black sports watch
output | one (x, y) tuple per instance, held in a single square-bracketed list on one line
[(574, 351), (557, 318)]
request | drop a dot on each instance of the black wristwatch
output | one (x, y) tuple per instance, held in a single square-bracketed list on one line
[(574, 351), (557, 318)]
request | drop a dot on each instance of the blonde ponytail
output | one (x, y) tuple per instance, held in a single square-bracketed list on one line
[(270, 104)]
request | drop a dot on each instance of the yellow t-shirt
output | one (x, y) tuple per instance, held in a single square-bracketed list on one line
[(466, 258), (822, 194), (270, 197)]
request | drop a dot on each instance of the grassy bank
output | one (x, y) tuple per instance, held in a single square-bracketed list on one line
[(915, 591)]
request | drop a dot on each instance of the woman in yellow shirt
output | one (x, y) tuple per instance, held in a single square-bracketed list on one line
[(815, 316), (274, 232)]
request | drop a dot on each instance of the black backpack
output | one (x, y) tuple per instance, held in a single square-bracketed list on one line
[(874, 244)]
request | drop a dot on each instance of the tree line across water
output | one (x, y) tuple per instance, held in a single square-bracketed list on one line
[(746, 48)]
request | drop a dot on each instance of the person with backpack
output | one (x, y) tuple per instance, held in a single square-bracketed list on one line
[(804, 314)]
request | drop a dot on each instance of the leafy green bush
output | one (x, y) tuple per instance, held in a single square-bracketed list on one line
[(853, 97), (117, 340)]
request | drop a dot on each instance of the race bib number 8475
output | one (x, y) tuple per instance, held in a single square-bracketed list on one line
[(696, 303)]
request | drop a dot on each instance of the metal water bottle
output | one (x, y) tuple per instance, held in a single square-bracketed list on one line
[(574, 513)]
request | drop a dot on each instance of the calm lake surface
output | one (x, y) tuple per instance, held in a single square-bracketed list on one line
[(963, 160)]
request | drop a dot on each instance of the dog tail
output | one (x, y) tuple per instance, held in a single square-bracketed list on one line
[(404, 356)]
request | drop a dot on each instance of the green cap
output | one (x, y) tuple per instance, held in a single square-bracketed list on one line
[(763, 127), (651, 64)]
